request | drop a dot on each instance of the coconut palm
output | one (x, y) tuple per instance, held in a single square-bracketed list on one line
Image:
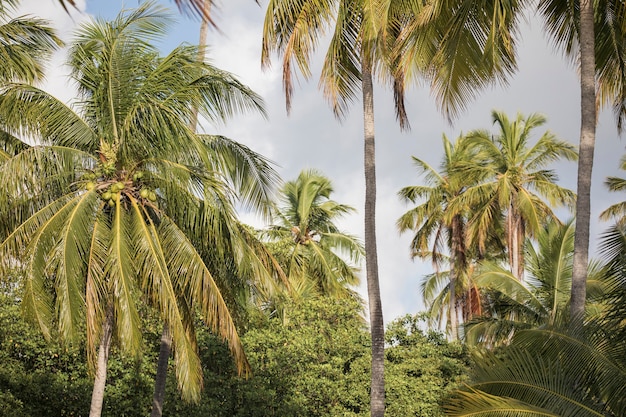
[(515, 183), (119, 191), (25, 45), (312, 244), (435, 219)]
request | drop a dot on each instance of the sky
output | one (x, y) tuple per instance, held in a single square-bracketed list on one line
[(310, 136)]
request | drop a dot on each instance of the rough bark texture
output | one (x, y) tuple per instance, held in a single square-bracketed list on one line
[(161, 374), (585, 159), (377, 394), (97, 395)]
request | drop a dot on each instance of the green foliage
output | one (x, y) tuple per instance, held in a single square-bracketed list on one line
[(422, 368), (316, 364)]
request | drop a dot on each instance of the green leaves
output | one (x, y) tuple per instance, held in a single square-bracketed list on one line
[(312, 247), (120, 204)]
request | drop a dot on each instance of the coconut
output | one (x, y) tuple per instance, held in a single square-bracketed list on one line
[(144, 193), (90, 185), (152, 196), (107, 195)]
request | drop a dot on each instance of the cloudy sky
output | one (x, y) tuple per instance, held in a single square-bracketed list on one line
[(310, 137)]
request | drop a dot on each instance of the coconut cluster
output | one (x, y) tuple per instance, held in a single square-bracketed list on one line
[(111, 190)]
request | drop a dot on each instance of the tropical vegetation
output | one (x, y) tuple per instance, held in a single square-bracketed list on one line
[(126, 198), (308, 243), (120, 240)]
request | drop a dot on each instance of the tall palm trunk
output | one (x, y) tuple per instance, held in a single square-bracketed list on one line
[(377, 394), (585, 159), (458, 264), (97, 395), (166, 339)]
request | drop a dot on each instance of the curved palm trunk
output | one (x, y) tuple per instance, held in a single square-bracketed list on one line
[(585, 160), (161, 374), (377, 394), (166, 339), (97, 396)]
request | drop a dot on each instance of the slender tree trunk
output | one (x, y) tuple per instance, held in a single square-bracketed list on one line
[(166, 338), (97, 395), (454, 322), (204, 32), (515, 239), (585, 160), (377, 394), (161, 374), (457, 266)]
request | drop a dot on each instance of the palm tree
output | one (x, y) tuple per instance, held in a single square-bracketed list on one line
[(515, 183), (118, 192), (292, 29), (312, 243), (577, 28), (435, 218), (239, 171), (616, 211)]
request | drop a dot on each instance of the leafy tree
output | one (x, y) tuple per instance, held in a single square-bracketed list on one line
[(121, 191), (515, 182), (312, 243), (436, 219), (423, 368)]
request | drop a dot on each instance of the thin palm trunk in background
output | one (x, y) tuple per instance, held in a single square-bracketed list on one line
[(585, 161)]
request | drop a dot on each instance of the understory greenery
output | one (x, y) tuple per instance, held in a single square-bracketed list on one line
[(315, 364)]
